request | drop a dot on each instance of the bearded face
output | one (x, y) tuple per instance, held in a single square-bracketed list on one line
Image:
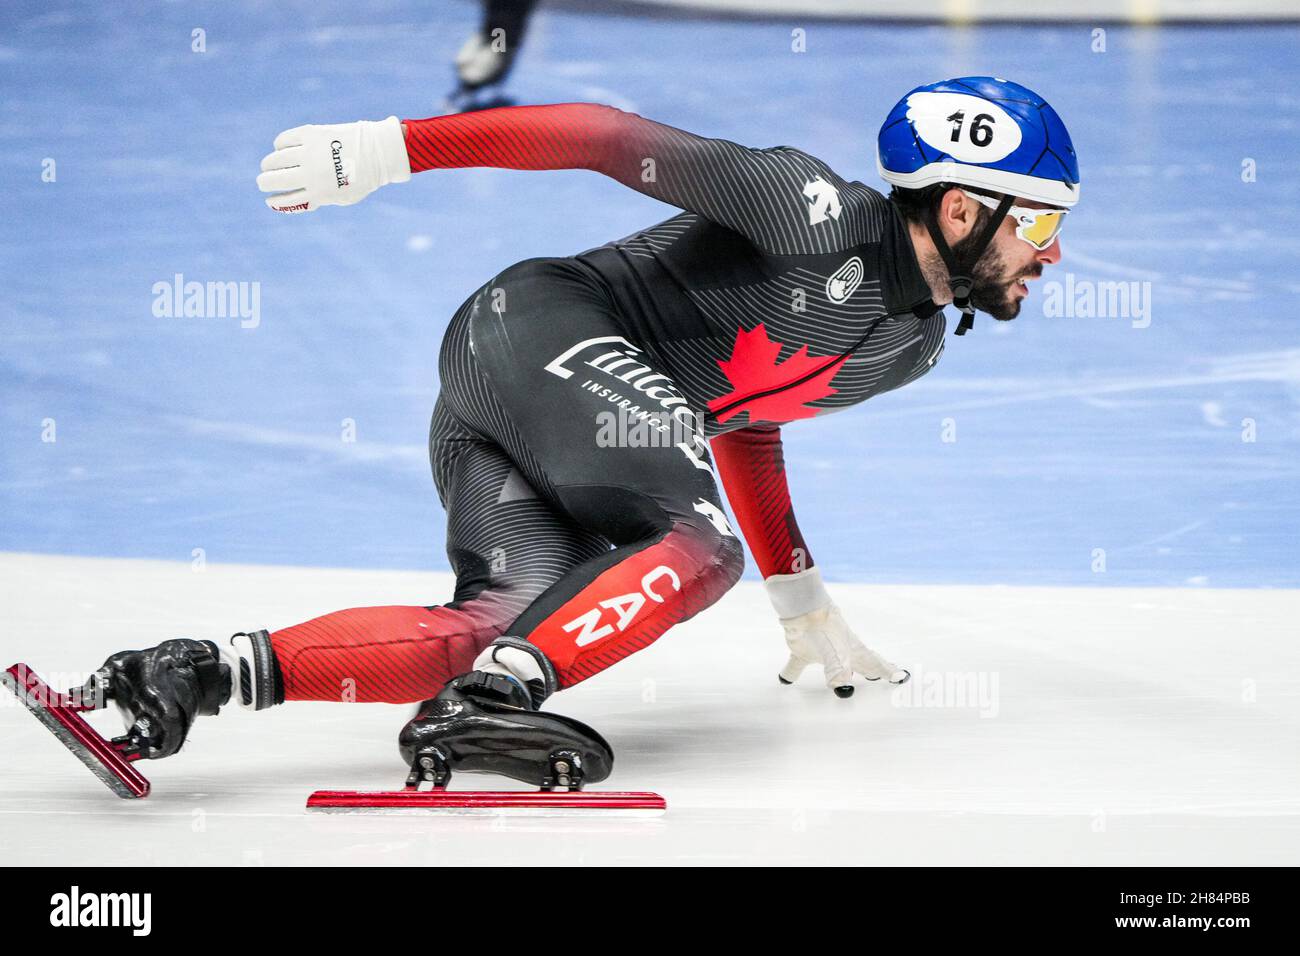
[(1001, 273)]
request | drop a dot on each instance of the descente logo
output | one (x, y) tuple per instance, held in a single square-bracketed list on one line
[(102, 909)]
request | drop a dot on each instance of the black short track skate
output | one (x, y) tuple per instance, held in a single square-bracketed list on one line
[(159, 692), (485, 723)]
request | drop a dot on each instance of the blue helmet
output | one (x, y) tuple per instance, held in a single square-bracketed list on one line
[(979, 131)]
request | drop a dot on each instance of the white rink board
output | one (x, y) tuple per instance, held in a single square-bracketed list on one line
[(1154, 726), (980, 11)]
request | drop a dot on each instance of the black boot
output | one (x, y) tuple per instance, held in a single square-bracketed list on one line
[(486, 723), (159, 692)]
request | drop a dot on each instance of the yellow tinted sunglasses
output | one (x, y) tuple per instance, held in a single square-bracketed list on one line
[(1038, 227)]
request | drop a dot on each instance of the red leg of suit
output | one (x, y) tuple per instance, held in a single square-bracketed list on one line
[(630, 604), (380, 654)]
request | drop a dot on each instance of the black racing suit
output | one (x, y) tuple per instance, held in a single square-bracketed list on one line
[(568, 442)]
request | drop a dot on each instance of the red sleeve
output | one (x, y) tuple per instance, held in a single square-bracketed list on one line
[(563, 136), (752, 465), (756, 192)]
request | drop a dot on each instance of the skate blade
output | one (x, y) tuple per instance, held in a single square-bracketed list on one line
[(62, 717), (493, 803)]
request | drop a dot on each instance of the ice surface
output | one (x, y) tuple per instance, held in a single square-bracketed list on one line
[(1094, 726)]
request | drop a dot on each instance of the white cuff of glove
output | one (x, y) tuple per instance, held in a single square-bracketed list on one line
[(793, 595), (389, 145)]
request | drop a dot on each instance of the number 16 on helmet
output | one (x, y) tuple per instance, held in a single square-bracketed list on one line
[(983, 132)]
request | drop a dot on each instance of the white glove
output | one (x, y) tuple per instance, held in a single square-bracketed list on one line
[(335, 165), (818, 634)]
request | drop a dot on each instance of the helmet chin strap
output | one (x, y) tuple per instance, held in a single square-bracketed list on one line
[(960, 271)]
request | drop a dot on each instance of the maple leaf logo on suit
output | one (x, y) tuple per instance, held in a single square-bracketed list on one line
[(769, 390)]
